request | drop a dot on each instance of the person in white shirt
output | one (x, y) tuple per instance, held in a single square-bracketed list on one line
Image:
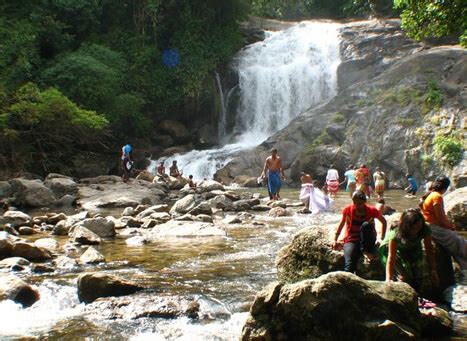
[(332, 181)]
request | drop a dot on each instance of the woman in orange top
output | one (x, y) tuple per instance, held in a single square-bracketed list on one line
[(443, 230)]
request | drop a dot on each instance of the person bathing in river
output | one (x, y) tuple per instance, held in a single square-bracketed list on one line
[(314, 199), (378, 178), (275, 173), (401, 251), (412, 188), (443, 230), (332, 181), (360, 233), (362, 176), (127, 164), (350, 179), (174, 172)]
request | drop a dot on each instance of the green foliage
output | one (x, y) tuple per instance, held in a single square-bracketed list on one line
[(338, 117), (448, 150), (405, 122), (425, 19), (434, 96), (44, 128)]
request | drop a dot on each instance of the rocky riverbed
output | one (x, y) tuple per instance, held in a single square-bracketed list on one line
[(151, 259)]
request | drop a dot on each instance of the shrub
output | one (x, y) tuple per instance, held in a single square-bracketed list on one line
[(448, 150)]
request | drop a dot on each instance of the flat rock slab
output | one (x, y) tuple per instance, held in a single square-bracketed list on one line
[(118, 194), (186, 229)]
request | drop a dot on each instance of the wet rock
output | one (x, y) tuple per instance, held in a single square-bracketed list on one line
[(100, 226), (65, 263), (63, 227), (6, 245), (148, 223), (14, 262), (185, 217), (185, 229), (184, 205), (31, 252), (94, 285), (92, 256), (118, 223), (310, 255), (31, 193), (25, 231), (261, 208), (245, 204), (16, 219), (210, 185), (15, 289), (137, 241), (67, 200), (456, 207), (232, 219), (142, 306), (278, 212), (48, 244), (308, 310), (10, 230), (41, 268), (131, 222), (456, 295), (84, 236), (275, 204)]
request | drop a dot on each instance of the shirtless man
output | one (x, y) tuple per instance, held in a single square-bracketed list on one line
[(273, 166), (174, 170)]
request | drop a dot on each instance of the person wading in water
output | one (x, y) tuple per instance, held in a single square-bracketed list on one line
[(275, 173)]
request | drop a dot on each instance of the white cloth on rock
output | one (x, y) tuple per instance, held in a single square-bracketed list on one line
[(315, 199)]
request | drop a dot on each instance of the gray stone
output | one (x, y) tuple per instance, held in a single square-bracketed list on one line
[(15, 289), (31, 252), (100, 226), (31, 193), (16, 219), (94, 285), (25, 231), (455, 205), (185, 229), (84, 236), (210, 185), (91, 256), (128, 211), (14, 261), (184, 205), (308, 310), (6, 244), (48, 244), (61, 186)]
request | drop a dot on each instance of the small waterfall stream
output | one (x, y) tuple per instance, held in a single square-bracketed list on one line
[(280, 77)]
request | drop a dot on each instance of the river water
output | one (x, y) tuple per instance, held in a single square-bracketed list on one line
[(222, 274)]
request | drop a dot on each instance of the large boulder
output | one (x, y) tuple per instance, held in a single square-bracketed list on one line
[(184, 205), (332, 307), (91, 256), (84, 236), (31, 193), (94, 285), (210, 185), (15, 289), (456, 207), (61, 185), (245, 181), (103, 227), (16, 219), (310, 255), (31, 252)]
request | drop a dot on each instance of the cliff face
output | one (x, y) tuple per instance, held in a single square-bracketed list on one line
[(395, 96)]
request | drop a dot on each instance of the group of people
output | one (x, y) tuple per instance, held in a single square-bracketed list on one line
[(127, 167), (399, 248)]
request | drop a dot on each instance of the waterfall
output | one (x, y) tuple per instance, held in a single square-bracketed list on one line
[(279, 78), (222, 114), (284, 75)]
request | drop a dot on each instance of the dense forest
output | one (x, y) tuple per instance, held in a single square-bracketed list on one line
[(78, 78)]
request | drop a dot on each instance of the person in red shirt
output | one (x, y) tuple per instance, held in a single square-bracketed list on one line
[(360, 233)]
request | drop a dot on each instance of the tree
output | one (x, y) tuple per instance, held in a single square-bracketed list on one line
[(427, 19)]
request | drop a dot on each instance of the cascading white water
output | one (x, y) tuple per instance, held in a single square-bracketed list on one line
[(280, 77), (284, 75)]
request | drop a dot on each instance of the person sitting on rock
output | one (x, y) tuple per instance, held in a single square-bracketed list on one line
[(161, 169), (174, 170), (191, 183), (401, 251), (443, 230), (360, 236)]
